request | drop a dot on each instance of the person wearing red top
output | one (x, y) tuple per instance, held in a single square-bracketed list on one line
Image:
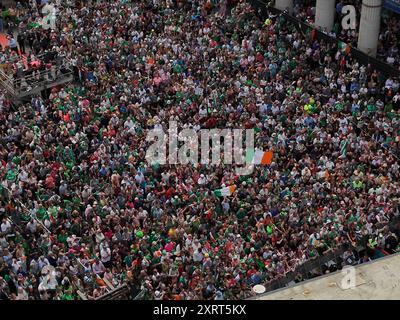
[(169, 192)]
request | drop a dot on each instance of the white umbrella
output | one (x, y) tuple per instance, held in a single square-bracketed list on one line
[(259, 289)]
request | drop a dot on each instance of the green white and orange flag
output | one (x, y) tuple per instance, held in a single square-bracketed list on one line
[(344, 47), (259, 157), (225, 192)]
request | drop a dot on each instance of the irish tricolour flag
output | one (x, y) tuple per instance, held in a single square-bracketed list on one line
[(344, 47), (225, 192), (259, 157)]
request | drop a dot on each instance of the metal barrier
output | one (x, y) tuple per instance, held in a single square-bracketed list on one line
[(306, 269), (33, 57), (6, 83), (140, 295), (34, 84), (35, 87), (120, 293), (32, 81)]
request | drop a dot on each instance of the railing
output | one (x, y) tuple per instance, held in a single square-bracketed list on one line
[(42, 81), (31, 57), (122, 292), (6, 83), (31, 81), (33, 84), (305, 269), (140, 295)]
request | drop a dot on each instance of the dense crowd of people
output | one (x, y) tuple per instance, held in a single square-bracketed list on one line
[(28, 58), (389, 41), (81, 208)]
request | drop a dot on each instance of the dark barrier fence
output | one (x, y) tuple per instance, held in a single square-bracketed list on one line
[(264, 9), (120, 293), (308, 270)]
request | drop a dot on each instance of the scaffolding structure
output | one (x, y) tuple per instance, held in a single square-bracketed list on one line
[(23, 87)]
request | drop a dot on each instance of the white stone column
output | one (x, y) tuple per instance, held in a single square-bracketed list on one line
[(325, 14), (369, 26), (284, 4)]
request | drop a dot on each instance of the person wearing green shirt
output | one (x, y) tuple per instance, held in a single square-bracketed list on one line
[(241, 214)]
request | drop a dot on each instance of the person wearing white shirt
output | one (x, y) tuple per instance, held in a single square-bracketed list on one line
[(203, 111), (202, 180), (98, 267), (5, 226), (165, 176), (389, 83), (23, 176), (42, 262), (31, 226), (105, 254), (22, 294), (139, 177)]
